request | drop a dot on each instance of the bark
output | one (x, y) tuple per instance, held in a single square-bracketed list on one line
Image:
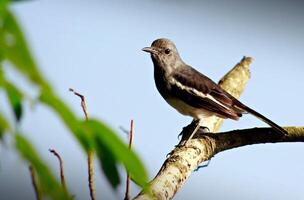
[(183, 160)]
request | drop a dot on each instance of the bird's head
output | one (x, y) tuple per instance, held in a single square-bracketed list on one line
[(164, 54)]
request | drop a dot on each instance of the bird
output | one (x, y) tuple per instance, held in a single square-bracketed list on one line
[(192, 93)]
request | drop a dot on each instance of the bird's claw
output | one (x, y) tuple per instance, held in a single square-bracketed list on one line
[(205, 129), (203, 166), (179, 135)]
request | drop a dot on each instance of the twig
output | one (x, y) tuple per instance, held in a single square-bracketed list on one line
[(62, 178), (91, 175), (83, 103), (34, 182), (131, 133), (127, 194), (90, 153)]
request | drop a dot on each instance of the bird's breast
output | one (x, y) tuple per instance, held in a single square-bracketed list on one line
[(161, 83), (188, 110)]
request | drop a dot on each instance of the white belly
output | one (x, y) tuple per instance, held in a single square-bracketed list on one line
[(185, 109)]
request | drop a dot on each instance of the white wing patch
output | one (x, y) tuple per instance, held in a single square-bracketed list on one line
[(196, 92)]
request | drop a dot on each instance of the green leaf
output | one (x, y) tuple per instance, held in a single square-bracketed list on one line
[(1, 76), (13, 47), (13, 94), (4, 126), (49, 186), (49, 98), (19, 0), (107, 139), (108, 163), (3, 4), (15, 98)]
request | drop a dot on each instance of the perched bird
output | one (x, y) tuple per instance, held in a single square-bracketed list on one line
[(192, 93)]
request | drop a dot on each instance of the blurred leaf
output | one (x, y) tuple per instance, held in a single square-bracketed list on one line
[(65, 113), (109, 147), (67, 116), (108, 163), (4, 126), (13, 47), (15, 99), (48, 183), (106, 148), (1, 75), (105, 138), (19, 0), (3, 4)]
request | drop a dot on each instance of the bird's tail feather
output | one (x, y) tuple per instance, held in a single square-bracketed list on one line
[(276, 127)]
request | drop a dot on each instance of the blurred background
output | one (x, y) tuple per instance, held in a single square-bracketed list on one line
[(95, 47)]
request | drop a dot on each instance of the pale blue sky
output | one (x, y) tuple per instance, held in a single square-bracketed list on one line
[(95, 47)]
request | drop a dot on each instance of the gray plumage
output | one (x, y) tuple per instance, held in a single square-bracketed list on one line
[(190, 92)]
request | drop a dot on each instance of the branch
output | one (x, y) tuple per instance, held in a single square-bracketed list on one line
[(239, 138), (34, 182), (90, 153), (204, 146), (182, 161), (62, 178), (91, 175), (83, 103), (127, 194)]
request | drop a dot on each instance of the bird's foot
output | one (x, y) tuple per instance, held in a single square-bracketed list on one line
[(187, 129), (169, 154), (204, 129), (203, 166)]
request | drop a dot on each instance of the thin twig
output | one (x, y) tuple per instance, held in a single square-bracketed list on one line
[(131, 133), (34, 182), (91, 175), (83, 103), (90, 153), (127, 194), (62, 178)]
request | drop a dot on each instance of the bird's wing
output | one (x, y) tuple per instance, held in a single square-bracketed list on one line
[(199, 91)]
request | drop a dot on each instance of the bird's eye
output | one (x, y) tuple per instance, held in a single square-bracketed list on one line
[(167, 51)]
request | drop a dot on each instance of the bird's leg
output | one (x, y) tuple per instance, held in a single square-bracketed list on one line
[(198, 124), (186, 130), (194, 131)]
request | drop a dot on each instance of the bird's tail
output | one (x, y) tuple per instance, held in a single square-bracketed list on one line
[(276, 127)]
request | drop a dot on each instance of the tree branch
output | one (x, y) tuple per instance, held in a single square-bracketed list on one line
[(239, 138), (62, 177), (127, 193), (183, 160), (34, 182), (90, 159), (204, 146)]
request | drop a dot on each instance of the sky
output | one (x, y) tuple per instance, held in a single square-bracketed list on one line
[(94, 46)]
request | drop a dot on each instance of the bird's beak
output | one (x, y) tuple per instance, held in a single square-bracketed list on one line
[(150, 50)]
